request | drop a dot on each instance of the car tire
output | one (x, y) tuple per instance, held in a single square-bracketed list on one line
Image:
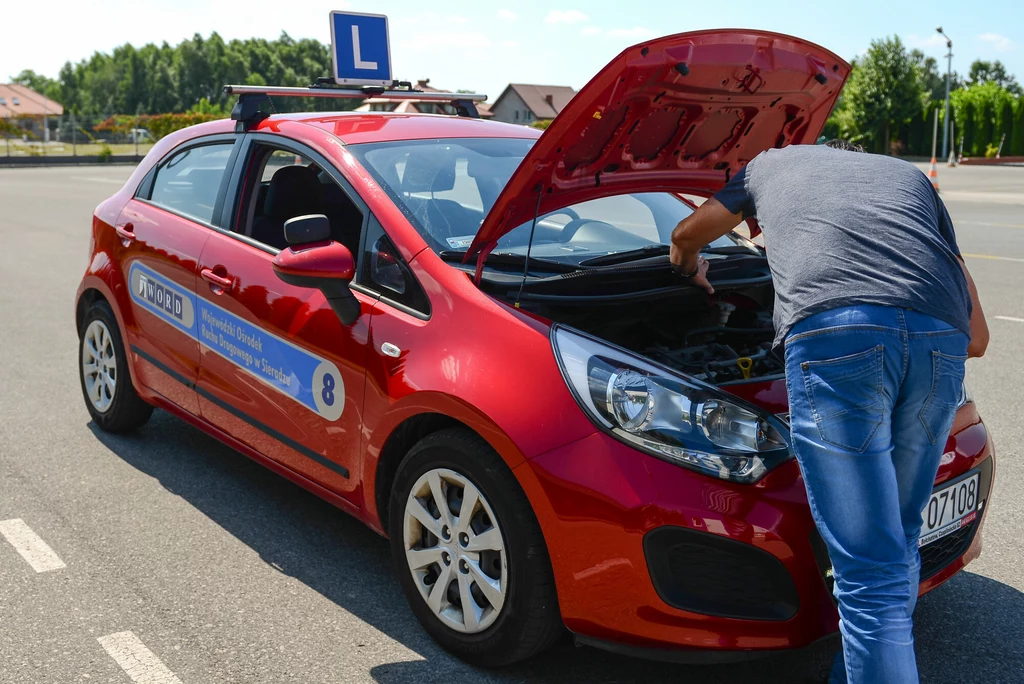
[(528, 620), (107, 388)]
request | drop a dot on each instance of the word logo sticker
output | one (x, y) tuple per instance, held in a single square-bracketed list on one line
[(307, 378), (163, 297)]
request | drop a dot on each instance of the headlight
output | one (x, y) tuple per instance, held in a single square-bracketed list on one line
[(667, 414)]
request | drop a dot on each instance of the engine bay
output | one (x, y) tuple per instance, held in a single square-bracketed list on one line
[(729, 341), (721, 338)]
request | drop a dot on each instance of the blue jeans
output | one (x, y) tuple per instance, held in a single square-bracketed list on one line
[(872, 395)]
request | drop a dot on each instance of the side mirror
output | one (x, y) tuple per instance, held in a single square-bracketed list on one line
[(319, 264), (303, 230)]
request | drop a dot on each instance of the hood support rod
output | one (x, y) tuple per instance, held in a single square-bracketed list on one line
[(529, 246)]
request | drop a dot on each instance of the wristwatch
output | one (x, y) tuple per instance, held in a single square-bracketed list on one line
[(686, 274)]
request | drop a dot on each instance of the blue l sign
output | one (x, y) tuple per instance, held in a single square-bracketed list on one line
[(359, 45)]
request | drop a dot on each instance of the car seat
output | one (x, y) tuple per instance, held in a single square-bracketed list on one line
[(293, 191), (428, 171)]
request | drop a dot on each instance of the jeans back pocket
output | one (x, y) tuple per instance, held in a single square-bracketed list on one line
[(845, 395), (939, 407)]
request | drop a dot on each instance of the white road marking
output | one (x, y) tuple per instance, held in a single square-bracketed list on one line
[(136, 660), (31, 547), (986, 197), (1010, 318), (994, 258), (992, 225), (97, 179)]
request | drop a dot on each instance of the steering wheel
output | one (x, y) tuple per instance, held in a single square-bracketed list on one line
[(568, 211), (572, 227)]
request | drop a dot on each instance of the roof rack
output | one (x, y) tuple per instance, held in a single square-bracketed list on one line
[(246, 111)]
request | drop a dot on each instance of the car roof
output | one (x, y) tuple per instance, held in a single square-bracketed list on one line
[(353, 128)]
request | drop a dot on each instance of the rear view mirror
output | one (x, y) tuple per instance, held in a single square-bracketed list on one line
[(323, 265)]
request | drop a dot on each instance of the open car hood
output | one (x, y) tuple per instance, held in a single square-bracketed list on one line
[(679, 114)]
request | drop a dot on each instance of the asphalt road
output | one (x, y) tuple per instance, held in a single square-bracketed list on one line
[(228, 573)]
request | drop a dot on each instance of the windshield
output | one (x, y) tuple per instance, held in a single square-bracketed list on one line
[(446, 188)]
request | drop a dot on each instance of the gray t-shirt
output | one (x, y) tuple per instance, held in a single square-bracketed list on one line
[(844, 228)]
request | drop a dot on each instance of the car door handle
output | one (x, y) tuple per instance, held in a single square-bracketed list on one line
[(127, 231), (214, 279)]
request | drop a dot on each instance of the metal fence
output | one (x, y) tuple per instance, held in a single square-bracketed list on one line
[(71, 136)]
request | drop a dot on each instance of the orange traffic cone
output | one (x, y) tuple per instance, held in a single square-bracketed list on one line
[(933, 175)]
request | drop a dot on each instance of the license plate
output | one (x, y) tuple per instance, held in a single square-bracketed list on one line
[(949, 509)]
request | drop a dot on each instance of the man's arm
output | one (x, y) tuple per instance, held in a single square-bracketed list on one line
[(709, 222), (979, 326)]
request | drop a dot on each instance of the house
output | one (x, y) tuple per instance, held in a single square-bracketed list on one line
[(27, 109), (524, 103), (375, 104)]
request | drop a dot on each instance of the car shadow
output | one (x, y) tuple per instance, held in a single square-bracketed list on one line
[(971, 629), (332, 553)]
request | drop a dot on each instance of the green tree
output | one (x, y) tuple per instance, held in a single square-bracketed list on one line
[(984, 72), (932, 79), (967, 126), (980, 115), (884, 92), (39, 83), (1018, 128), (1004, 124)]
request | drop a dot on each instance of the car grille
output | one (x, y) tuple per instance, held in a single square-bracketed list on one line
[(935, 557), (942, 552)]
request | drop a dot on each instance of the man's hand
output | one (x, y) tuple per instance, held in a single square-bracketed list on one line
[(708, 222), (677, 257), (701, 279)]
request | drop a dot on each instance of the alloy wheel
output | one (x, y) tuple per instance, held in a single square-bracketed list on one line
[(455, 551), (99, 365)]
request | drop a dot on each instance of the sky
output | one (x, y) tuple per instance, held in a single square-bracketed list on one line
[(483, 45)]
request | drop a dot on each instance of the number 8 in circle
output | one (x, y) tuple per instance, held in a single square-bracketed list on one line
[(328, 391)]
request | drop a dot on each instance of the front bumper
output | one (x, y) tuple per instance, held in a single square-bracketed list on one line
[(655, 558)]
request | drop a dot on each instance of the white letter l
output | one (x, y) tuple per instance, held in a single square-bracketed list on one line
[(356, 57)]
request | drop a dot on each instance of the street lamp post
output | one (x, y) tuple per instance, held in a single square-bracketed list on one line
[(949, 71)]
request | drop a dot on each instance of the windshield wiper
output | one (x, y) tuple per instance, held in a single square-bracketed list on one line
[(654, 251), (628, 255), (507, 259)]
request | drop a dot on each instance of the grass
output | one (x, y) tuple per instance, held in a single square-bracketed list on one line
[(19, 148)]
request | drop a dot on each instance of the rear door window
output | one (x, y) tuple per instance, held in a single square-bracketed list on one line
[(188, 183)]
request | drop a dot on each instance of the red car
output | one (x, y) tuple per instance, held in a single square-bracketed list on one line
[(467, 334)]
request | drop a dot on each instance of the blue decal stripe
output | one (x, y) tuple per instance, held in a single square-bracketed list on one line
[(274, 361), (266, 429)]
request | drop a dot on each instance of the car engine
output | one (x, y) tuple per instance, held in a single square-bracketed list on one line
[(726, 343), (723, 338)]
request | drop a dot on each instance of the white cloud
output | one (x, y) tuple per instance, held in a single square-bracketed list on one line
[(999, 43), (930, 41), (457, 19), (590, 31), (507, 15), (510, 43), (565, 17), (635, 33)]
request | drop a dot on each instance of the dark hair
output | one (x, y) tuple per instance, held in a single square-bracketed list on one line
[(839, 144)]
